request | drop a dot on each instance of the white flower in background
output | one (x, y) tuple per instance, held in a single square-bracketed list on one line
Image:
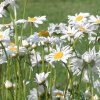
[(57, 94), (4, 36), (43, 33), (2, 10), (93, 39), (25, 43), (56, 28), (89, 56), (36, 20), (33, 39), (78, 18), (71, 33), (87, 28), (95, 97), (33, 94), (4, 5), (8, 84), (35, 58), (41, 77), (59, 54), (95, 20), (12, 50), (76, 65)]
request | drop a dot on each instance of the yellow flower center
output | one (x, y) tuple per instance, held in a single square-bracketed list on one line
[(82, 29), (31, 19), (1, 36), (58, 55), (13, 48), (79, 18), (59, 94), (43, 33), (98, 21)]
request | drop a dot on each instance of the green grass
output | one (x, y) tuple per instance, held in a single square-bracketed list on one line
[(57, 10)]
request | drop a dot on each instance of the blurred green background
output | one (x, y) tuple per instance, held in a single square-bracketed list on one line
[(56, 10)]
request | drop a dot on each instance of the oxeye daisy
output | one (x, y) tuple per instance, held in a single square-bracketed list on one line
[(43, 33), (4, 36), (95, 20), (37, 20), (78, 18), (60, 54), (71, 33), (57, 94), (56, 28), (12, 50), (41, 77)]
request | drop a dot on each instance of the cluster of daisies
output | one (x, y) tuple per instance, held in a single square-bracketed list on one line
[(74, 47)]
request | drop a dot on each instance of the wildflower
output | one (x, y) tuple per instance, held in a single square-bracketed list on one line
[(57, 94), (25, 43), (43, 33), (95, 20), (37, 20), (4, 36), (60, 54), (8, 84), (71, 33), (41, 77), (33, 95), (89, 56), (78, 18), (12, 50), (56, 28)]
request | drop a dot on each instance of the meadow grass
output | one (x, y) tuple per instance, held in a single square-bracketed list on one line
[(56, 10)]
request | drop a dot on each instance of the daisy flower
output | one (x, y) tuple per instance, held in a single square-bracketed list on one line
[(60, 54), (37, 20), (8, 84), (95, 20), (33, 94), (12, 50), (71, 33), (56, 28), (57, 94), (41, 77), (4, 36), (78, 18)]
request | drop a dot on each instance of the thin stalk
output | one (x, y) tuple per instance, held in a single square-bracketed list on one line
[(43, 66), (24, 10)]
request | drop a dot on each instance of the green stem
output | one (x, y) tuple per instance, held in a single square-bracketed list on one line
[(43, 66)]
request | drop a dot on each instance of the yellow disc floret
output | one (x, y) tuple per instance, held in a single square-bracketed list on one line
[(43, 33), (58, 55), (79, 18), (31, 19), (82, 29), (59, 94), (97, 21), (12, 48), (1, 36)]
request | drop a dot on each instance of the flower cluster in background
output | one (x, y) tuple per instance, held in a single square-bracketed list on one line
[(31, 66)]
